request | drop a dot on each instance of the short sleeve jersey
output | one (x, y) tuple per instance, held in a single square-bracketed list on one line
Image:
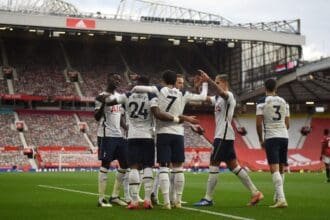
[(172, 101), (109, 125), (140, 120), (223, 113), (274, 109)]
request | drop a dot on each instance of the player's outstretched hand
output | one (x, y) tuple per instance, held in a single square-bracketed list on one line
[(190, 119), (204, 75), (198, 129)]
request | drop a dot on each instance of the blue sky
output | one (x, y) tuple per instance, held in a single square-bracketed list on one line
[(314, 15)]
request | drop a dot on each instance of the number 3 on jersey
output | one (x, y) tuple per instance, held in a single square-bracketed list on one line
[(172, 100), (277, 112)]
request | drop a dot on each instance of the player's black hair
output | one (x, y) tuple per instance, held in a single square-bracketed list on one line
[(270, 85), (169, 77), (326, 132), (142, 80)]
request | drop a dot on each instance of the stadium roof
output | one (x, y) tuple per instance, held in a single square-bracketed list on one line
[(146, 18), (304, 78)]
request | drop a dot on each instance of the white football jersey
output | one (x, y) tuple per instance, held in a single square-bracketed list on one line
[(274, 109), (172, 101), (109, 125), (223, 113), (140, 120)]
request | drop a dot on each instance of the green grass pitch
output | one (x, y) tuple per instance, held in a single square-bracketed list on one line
[(21, 197)]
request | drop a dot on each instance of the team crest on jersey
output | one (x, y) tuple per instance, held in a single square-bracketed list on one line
[(115, 108)]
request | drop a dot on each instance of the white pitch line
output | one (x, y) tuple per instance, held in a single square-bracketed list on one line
[(186, 208), (68, 190), (216, 213)]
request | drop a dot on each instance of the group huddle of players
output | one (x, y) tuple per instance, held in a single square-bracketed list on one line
[(154, 123)]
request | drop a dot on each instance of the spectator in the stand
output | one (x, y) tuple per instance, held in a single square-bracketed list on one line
[(325, 153)]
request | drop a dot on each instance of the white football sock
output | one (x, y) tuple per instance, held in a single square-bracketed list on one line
[(102, 180), (155, 187), (118, 182), (164, 183), (127, 196), (147, 182), (172, 188), (245, 179), (141, 181), (134, 182), (278, 184), (211, 182), (179, 181)]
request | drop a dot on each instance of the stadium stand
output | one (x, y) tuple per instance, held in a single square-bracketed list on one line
[(92, 125), (42, 56), (41, 81), (51, 128), (313, 140), (8, 133), (192, 139), (39, 64), (54, 157), (296, 123), (3, 87), (13, 158)]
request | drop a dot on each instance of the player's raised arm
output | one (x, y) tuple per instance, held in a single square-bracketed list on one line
[(198, 97), (220, 83), (147, 89)]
